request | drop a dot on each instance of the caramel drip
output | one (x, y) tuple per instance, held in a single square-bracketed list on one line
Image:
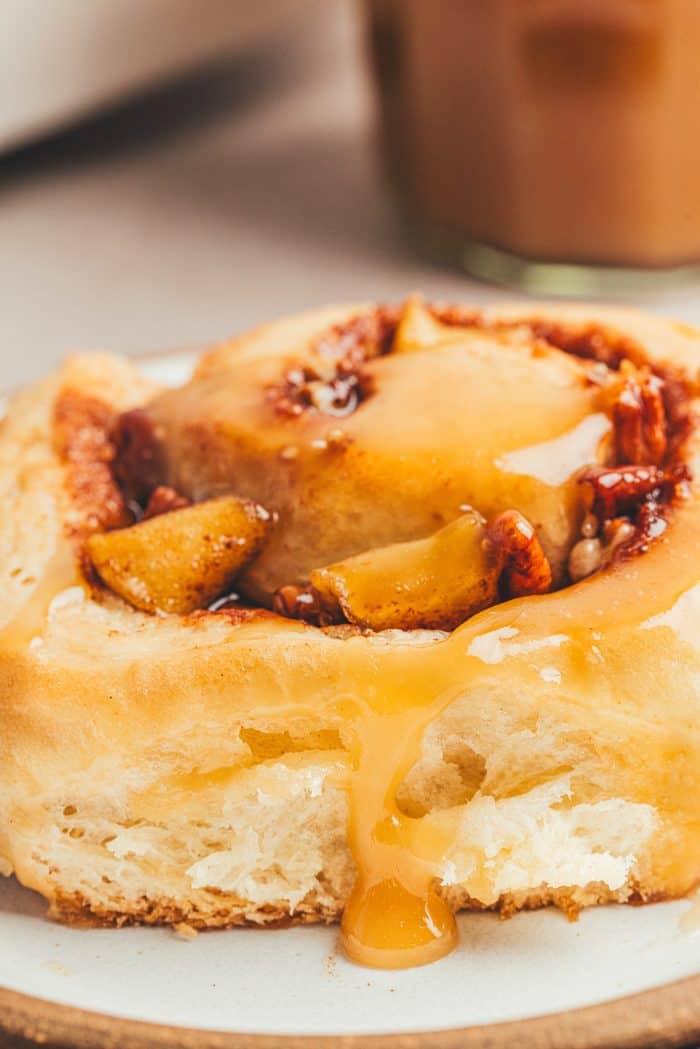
[(394, 918)]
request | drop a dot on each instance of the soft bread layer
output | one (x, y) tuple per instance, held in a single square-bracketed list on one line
[(212, 810), (267, 842), (199, 770)]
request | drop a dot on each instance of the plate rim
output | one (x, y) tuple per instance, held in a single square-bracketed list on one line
[(634, 1021), (669, 1014)]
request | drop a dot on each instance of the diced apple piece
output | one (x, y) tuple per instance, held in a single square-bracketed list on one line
[(434, 583), (181, 561)]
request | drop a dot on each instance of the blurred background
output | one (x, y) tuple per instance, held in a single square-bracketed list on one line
[(173, 172)]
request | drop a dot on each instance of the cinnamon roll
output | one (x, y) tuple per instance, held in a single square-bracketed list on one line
[(387, 612)]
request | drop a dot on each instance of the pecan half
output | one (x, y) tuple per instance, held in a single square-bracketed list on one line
[(639, 419), (526, 569)]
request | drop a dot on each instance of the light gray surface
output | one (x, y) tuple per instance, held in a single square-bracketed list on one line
[(251, 194)]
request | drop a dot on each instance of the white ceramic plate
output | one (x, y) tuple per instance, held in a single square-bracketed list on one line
[(294, 982)]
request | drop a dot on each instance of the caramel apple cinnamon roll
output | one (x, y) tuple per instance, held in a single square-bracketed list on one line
[(387, 612)]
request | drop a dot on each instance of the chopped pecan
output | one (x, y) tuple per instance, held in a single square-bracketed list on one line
[(336, 390), (651, 522), (639, 419), (654, 424), (589, 341), (526, 569), (333, 380), (367, 335), (614, 491), (627, 423), (164, 500), (632, 503), (305, 603)]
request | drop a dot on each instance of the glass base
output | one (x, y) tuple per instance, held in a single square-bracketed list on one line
[(544, 278)]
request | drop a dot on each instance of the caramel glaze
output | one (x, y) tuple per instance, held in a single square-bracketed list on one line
[(599, 637)]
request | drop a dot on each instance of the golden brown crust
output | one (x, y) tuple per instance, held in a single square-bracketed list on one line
[(221, 913), (216, 910)]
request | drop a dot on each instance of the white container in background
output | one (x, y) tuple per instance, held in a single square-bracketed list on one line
[(62, 59)]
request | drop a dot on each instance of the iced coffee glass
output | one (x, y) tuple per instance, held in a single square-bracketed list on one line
[(554, 143)]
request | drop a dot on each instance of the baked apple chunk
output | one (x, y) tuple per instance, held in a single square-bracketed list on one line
[(429, 584), (182, 560)]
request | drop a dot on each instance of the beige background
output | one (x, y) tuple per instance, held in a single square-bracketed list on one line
[(214, 206)]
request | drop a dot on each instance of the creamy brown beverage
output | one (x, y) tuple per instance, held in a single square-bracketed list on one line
[(556, 130)]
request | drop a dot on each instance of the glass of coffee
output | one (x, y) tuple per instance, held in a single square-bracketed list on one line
[(550, 143)]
